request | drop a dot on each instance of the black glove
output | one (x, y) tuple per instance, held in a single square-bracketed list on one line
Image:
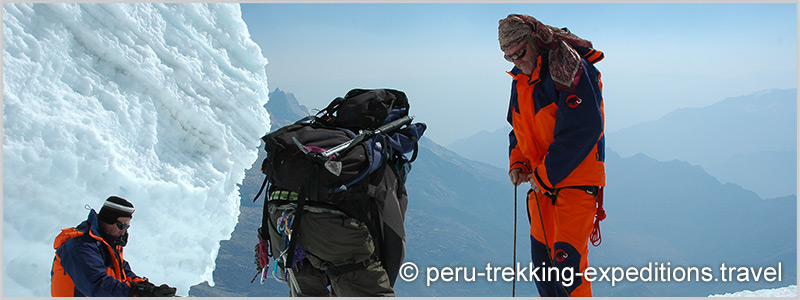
[(147, 282), (141, 289), (164, 291), (147, 289)]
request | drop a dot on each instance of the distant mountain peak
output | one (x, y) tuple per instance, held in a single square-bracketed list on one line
[(486, 146), (284, 108)]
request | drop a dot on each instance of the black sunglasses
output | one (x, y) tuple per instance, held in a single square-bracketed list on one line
[(516, 56), (122, 226)]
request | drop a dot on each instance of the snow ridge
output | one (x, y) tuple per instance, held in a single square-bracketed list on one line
[(789, 291)]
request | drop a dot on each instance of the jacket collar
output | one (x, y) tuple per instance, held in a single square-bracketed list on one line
[(534, 78), (92, 224)]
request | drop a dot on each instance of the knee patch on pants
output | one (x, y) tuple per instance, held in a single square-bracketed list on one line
[(566, 256)]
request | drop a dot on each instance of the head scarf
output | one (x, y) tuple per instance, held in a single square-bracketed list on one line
[(564, 62)]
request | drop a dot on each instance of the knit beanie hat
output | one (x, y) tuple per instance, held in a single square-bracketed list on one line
[(113, 208)]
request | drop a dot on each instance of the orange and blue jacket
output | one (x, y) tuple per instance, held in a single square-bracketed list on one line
[(86, 265), (557, 135)]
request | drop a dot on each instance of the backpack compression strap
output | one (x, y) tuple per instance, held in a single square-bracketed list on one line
[(309, 190)]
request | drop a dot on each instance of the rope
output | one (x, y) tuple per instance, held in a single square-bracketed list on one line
[(541, 221), (596, 238)]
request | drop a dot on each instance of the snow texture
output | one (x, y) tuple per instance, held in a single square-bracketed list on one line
[(161, 104), (789, 291)]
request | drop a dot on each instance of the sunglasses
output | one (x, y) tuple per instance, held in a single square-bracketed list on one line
[(515, 56), (122, 226)]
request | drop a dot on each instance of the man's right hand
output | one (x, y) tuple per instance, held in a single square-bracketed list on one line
[(141, 289), (518, 177), (147, 289), (164, 291)]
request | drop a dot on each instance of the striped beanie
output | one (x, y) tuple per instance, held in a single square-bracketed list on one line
[(113, 208)]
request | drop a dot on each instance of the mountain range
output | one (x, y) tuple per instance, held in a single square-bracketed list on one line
[(493, 147), (749, 140), (461, 213)]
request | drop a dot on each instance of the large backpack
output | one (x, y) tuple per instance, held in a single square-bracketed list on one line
[(350, 157)]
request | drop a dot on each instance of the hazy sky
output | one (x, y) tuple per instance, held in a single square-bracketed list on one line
[(659, 57)]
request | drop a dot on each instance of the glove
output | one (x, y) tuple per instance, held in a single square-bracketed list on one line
[(147, 289), (141, 289), (147, 282), (164, 291)]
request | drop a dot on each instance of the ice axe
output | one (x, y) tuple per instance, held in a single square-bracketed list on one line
[(326, 157)]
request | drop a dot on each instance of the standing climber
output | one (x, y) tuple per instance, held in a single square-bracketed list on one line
[(557, 143)]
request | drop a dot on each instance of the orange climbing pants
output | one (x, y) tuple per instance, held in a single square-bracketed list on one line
[(560, 238)]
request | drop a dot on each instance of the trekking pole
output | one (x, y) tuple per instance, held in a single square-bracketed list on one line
[(514, 283)]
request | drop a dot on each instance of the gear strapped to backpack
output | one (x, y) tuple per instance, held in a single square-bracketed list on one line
[(349, 157)]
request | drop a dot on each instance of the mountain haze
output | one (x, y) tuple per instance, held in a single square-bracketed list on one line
[(675, 212), (749, 140), (284, 109), (484, 146)]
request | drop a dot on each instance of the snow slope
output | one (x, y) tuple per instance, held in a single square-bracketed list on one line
[(161, 104), (789, 291)]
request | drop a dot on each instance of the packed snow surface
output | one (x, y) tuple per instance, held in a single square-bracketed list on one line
[(789, 291), (161, 104)]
